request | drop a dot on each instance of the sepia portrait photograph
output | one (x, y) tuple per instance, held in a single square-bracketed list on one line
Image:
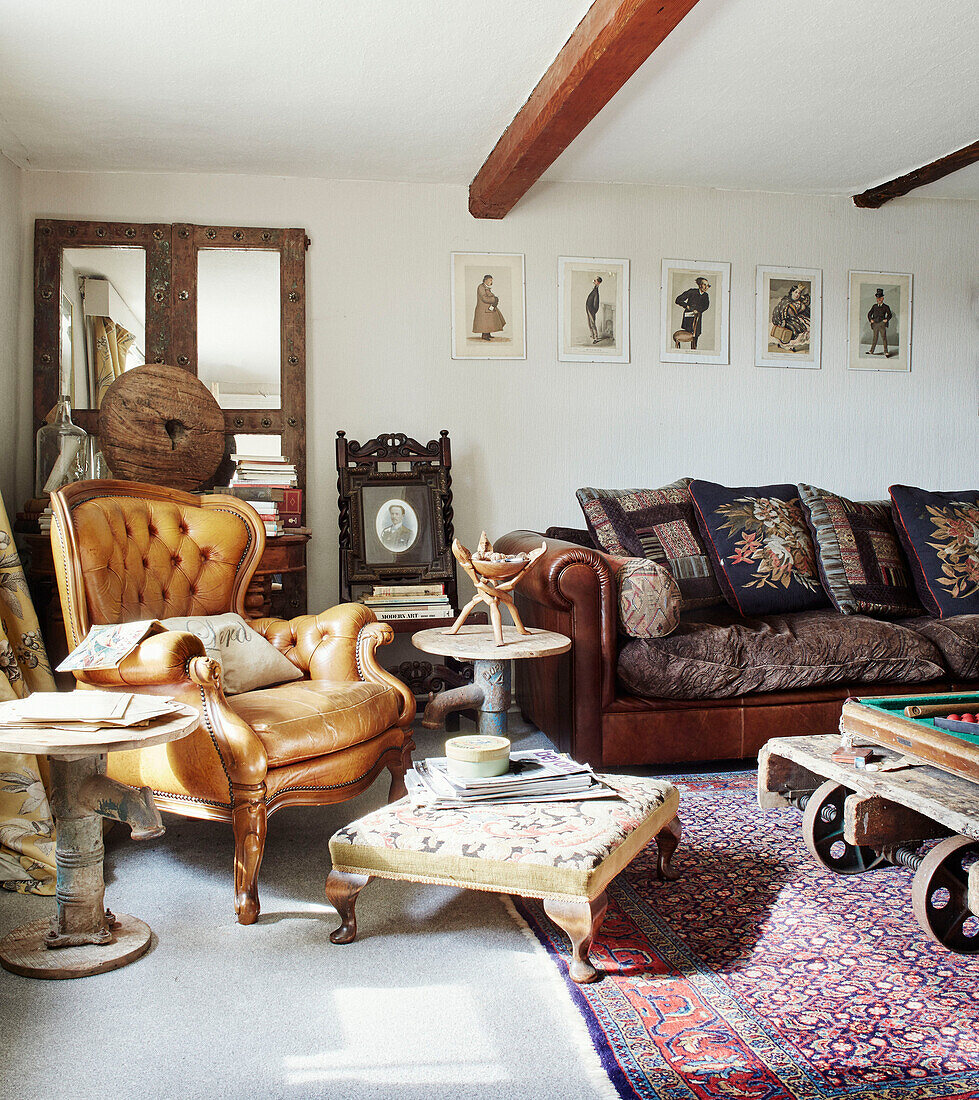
[(593, 310), (788, 310), (695, 313), (879, 321), (397, 524), (488, 306)]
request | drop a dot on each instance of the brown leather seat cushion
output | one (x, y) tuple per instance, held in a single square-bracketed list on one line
[(311, 718), (956, 638), (723, 655)]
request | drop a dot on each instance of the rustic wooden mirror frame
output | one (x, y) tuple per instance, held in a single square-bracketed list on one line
[(171, 312)]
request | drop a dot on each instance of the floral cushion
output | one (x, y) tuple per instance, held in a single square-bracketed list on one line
[(861, 564), (940, 533), (760, 547), (649, 600), (658, 524), (535, 849)]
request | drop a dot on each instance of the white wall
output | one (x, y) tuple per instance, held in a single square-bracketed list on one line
[(11, 429), (526, 434)]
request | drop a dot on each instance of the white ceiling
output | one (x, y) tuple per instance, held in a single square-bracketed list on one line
[(827, 97)]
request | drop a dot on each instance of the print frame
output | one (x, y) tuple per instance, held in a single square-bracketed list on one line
[(476, 329), (711, 343), (898, 298), (776, 298), (585, 336)]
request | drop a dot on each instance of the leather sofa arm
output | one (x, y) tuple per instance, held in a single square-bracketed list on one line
[(577, 583), (160, 660), (338, 644)]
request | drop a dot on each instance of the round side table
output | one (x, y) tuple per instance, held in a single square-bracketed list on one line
[(85, 937), (489, 692)]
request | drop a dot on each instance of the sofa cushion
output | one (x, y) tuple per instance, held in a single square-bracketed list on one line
[(727, 655), (315, 717), (658, 524), (956, 638), (940, 534), (248, 660), (760, 547), (861, 564), (648, 598), (576, 535)]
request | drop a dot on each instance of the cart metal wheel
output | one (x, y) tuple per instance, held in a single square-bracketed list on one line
[(822, 830), (939, 893)]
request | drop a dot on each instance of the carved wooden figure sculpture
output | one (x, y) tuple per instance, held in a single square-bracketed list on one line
[(495, 576)]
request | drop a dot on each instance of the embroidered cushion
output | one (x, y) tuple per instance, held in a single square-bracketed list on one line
[(648, 596), (861, 564), (658, 524), (940, 533), (760, 547), (248, 661)]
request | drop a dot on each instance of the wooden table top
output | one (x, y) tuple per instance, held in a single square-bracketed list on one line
[(476, 643), (68, 744)]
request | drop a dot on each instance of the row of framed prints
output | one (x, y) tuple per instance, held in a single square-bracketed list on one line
[(489, 313)]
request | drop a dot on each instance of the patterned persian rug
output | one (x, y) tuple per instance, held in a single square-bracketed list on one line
[(759, 974)]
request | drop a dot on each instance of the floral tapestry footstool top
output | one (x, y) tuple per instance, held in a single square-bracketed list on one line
[(539, 849)]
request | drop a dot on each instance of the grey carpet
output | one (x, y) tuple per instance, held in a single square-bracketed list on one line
[(443, 995)]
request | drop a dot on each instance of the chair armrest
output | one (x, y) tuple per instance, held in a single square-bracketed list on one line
[(158, 661), (338, 644)]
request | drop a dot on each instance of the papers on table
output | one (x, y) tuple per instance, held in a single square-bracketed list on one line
[(535, 775), (86, 710)]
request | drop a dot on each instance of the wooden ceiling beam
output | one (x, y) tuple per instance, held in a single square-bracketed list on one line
[(928, 173), (609, 44)]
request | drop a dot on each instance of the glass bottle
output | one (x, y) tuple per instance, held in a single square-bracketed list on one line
[(61, 451)]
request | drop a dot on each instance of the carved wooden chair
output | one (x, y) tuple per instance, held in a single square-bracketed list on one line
[(124, 551)]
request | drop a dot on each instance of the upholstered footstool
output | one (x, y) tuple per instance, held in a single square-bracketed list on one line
[(565, 853)]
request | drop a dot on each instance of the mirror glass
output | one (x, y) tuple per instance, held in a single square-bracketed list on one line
[(103, 319), (238, 353)]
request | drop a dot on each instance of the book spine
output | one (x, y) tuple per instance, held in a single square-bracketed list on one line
[(409, 590), (396, 616), (292, 500), (251, 493)]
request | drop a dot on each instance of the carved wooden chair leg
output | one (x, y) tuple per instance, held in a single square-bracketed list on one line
[(249, 819), (342, 888), (667, 840), (581, 920), (398, 789)]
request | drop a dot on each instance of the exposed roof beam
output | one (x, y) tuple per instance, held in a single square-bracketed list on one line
[(893, 189), (607, 47)]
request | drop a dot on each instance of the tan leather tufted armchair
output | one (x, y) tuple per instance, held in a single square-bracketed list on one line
[(124, 551)]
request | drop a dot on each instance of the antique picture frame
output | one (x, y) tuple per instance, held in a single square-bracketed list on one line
[(489, 305), (593, 310), (388, 547), (892, 331), (788, 317), (687, 334)]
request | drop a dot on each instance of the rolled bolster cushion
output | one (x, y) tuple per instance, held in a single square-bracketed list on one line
[(648, 597), (158, 659)]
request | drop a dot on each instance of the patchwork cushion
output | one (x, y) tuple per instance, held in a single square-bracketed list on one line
[(301, 721), (658, 524), (731, 656), (940, 533), (649, 600), (248, 660), (956, 638), (760, 547), (535, 849), (861, 564)]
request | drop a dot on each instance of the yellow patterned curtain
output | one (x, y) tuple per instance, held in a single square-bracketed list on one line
[(26, 826), (112, 343)]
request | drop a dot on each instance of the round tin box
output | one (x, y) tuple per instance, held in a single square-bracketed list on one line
[(476, 756)]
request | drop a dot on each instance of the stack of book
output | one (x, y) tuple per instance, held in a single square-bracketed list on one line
[(268, 484), (392, 602), (535, 775)]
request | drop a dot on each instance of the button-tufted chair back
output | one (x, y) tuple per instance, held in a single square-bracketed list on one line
[(125, 551)]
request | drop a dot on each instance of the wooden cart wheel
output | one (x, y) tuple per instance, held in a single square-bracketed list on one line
[(822, 830), (939, 893)]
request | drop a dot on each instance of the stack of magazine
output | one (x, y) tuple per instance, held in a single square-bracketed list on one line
[(535, 775)]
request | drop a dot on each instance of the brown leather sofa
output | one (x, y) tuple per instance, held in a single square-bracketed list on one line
[(578, 700), (125, 551)]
